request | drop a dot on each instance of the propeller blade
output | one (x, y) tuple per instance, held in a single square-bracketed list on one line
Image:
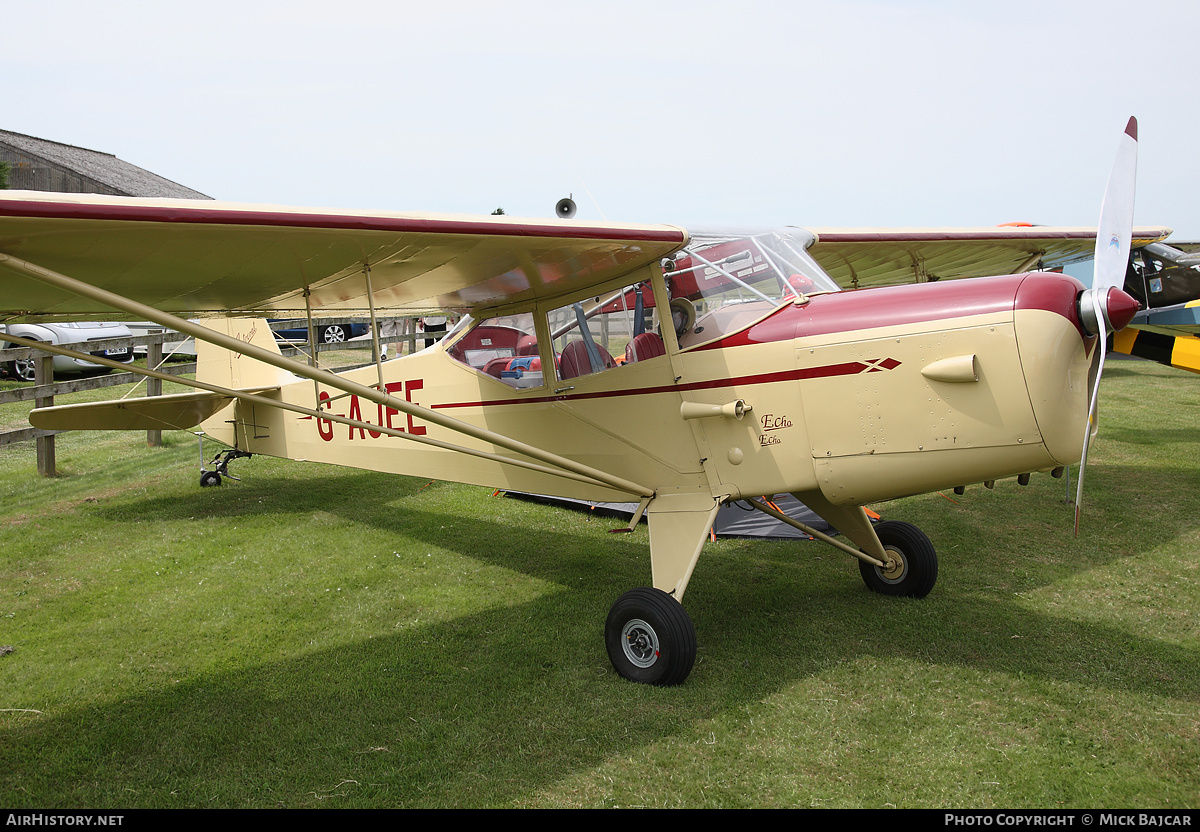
[(1092, 425), (1111, 261), (1116, 215)]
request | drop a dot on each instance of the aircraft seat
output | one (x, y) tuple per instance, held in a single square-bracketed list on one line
[(575, 361), (646, 345), (497, 366)]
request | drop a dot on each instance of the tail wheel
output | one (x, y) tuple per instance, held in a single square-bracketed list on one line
[(912, 570), (650, 638)]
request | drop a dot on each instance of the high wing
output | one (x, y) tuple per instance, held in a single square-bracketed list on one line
[(860, 257), (198, 257), (1173, 321)]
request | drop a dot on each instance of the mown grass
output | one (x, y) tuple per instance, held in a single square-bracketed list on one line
[(315, 636)]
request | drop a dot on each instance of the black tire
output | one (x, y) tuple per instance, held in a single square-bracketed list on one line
[(650, 638), (916, 569), (333, 334), (209, 479)]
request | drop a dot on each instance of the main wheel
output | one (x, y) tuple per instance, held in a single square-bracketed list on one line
[(333, 334), (650, 637), (914, 569)]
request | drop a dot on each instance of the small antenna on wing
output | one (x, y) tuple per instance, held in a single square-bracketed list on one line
[(565, 208), (599, 210)]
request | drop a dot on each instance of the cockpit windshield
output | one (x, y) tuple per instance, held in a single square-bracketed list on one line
[(766, 266), (724, 281)]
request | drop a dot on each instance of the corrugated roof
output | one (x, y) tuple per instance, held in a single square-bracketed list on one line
[(104, 168)]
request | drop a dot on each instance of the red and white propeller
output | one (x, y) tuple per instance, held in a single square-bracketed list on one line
[(1105, 307)]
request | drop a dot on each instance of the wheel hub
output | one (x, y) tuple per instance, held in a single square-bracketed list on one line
[(24, 369), (893, 567), (639, 642)]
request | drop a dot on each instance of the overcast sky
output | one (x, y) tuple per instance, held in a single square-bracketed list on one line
[(747, 113)]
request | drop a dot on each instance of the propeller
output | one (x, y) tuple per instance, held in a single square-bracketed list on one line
[(1105, 308)]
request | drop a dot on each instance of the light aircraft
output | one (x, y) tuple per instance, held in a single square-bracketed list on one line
[(1165, 279), (620, 363)]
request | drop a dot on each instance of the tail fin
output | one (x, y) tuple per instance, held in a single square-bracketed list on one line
[(217, 365)]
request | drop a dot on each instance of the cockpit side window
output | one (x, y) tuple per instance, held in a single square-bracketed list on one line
[(606, 331), (503, 347)]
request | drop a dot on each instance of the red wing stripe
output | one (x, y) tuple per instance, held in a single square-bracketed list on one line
[(318, 219)]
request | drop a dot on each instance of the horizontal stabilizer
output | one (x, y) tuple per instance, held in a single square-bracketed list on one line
[(176, 412)]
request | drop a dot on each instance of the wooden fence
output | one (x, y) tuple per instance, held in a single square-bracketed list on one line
[(44, 388)]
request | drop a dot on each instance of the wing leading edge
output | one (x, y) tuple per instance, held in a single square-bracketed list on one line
[(196, 257)]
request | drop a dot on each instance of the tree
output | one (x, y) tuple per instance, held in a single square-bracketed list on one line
[(5, 169), (498, 212)]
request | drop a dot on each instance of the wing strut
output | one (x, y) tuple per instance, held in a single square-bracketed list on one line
[(814, 533), (143, 312), (376, 355)]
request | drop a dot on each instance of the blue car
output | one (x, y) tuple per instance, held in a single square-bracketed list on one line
[(333, 333)]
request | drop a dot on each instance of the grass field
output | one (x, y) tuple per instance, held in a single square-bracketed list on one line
[(316, 636)]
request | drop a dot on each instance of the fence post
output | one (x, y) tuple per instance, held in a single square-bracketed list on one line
[(43, 374), (154, 351)]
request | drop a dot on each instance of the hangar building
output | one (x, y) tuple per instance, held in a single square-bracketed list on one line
[(42, 165)]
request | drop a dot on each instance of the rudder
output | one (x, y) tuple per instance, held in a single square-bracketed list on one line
[(217, 365), (233, 370)]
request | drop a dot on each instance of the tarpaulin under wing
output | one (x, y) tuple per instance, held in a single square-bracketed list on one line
[(733, 520)]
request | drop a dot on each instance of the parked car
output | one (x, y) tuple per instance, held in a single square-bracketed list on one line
[(67, 333), (332, 333), (174, 345)]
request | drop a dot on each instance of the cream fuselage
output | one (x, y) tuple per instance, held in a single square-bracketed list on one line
[(844, 397)]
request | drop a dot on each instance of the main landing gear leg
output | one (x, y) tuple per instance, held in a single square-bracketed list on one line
[(649, 636), (908, 561), (211, 474)]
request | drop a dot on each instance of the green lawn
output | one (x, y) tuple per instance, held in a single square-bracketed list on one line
[(316, 636)]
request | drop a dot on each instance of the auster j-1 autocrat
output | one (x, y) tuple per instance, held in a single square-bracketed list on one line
[(631, 363)]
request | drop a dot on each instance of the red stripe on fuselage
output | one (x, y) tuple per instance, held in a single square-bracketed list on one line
[(849, 368)]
